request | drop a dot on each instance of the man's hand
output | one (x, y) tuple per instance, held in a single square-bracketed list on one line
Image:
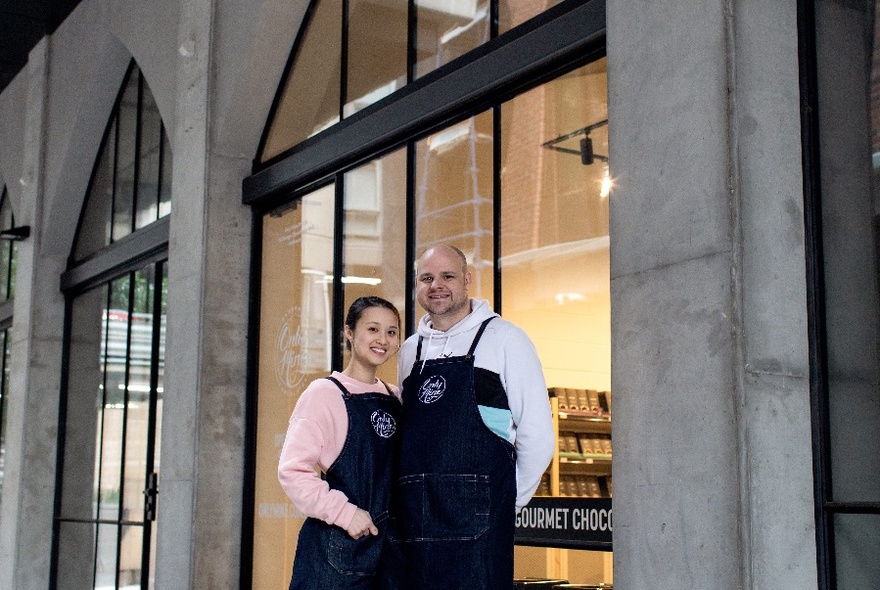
[(361, 525)]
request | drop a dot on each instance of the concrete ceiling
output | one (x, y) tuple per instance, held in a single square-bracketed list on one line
[(22, 24)]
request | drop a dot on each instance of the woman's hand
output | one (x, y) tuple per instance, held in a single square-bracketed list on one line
[(361, 525)]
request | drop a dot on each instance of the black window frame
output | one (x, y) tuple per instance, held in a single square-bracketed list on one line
[(566, 36)]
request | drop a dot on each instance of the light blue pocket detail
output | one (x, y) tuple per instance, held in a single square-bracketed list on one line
[(497, 420)]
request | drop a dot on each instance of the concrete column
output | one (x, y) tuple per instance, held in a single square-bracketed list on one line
[(32, 418), (202, 469), (709, 364), (774, 423)]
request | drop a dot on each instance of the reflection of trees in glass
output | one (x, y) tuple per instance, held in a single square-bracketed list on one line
[(127, 336)]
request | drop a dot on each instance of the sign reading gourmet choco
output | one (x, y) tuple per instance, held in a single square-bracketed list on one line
[(577, 523)]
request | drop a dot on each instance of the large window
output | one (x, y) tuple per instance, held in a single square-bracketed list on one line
[(351, 54), (114, 357), (514, 173), (843, 204), (131, 183)]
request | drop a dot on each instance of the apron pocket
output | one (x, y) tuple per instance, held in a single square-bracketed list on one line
[(358, 557), (442, 507)]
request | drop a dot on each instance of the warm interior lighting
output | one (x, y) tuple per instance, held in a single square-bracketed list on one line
[(355, 280), (606, 184)]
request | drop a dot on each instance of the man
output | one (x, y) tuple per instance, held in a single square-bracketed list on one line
[(476, 436)]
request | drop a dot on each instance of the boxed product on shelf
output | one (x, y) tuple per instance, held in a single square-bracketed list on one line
[(582, 487), (583, 399), (605, 402), (571, 443), (562, 396), (543, 486), (593, 489), (593, 400), (587, 443)]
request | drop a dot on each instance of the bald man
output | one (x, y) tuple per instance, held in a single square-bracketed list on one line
[(476, 436)]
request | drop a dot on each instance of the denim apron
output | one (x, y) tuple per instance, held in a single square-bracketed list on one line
[(327, 558), (453, 501)]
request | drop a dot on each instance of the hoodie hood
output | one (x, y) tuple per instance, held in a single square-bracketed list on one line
[(456, 340)]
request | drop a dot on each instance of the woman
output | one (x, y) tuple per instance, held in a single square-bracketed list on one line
[(346, 425)]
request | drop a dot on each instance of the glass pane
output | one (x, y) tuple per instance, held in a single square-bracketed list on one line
[(165, 183), (310, 100), (160, 381), (6, 247), (849, 107), (123, 202), (5, 210), (374, 256), (94, 228), (856, 547), (13, 264), (590, 568), (138, 396), (377, 38), (6, 339), (515, 12), (85, 404), (556, 285), (454, 196), (110, 434), (76, 556), (295, 333), (105, 560), (151, 580), (150, 152), (447, 29), (130, 556), (5, 276), (110, 474), (555, 259)]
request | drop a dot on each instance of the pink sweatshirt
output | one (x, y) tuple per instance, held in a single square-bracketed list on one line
[(315, 436)]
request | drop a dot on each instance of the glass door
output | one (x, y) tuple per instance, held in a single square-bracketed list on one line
[(111, 421)]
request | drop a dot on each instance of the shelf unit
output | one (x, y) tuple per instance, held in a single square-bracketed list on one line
[(593, 464)]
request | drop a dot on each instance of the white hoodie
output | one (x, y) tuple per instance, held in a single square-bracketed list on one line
[(506, 350)]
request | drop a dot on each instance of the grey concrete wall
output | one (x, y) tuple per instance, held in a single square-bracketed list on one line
[(32, 410), (713, 482), (227, 75), (774, 422)]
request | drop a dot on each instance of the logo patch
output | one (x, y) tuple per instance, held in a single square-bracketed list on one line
[(432, 389), (383, 423)]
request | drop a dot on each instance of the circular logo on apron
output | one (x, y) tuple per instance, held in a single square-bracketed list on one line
[(432, 389), (383, 423)]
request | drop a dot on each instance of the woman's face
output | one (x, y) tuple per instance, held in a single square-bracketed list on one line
[(376, 337)]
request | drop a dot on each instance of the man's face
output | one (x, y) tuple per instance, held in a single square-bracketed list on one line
[(442, 287)]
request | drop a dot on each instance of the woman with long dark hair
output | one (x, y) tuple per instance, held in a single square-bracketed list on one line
[(346, 425)]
